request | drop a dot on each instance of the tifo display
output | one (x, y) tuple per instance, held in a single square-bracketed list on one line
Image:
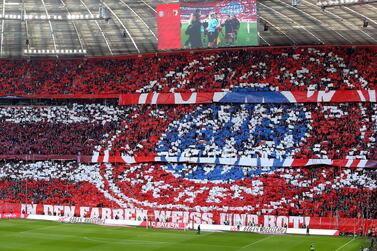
[(320, 191), (232, 162), (272, 131), (262, 69)]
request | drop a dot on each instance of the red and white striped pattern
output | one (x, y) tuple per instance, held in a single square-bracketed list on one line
[(217, 97), (243, 161)]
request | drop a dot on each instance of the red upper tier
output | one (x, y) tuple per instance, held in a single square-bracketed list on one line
[(304, 68)]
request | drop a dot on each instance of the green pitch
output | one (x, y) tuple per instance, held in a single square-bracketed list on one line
[(244, 37), (38, 235)]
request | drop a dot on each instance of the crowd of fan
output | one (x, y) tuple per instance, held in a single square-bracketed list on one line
[(273, 131), (313, 191), (61, 130), (327, 131), (61, 183), (291, 69)]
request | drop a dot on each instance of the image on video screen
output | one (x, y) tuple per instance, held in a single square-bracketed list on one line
[(218, 24)]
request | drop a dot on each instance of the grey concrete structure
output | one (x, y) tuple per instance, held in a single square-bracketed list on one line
[(132, 27)]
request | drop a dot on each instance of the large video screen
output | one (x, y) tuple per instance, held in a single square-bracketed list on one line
[(207, 24)]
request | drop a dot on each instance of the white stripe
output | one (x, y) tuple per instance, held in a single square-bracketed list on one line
[(228, 161), (171, 159), (362, 98), (310, 93), (245, 161), (106, 157), (362, 163), (157, 159), (217, 96), (143, 98), (154, 98), (372, 95), (128, 159), (349, 163), (324, 96), (95, 157), (207, 160), (319, 162), (289, 96), (344, 245), (288, 162), (255, 242)]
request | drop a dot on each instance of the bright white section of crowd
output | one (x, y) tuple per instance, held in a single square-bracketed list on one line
[(75, 113)]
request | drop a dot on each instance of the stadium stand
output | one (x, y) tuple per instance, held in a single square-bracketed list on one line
[(50, 182), (58, 130), (330, 131), (313, 191), (74, 132), (291, 69)]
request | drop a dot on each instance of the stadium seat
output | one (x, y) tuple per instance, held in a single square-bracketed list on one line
[(277, 69)]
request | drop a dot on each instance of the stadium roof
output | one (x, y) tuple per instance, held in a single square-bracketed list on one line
[(132, 27)]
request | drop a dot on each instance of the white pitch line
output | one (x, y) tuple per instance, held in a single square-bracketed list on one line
[(344, 245), (255, 242)]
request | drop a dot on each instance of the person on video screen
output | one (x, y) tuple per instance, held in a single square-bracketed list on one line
[(229, 31), (194, 31), (213, 25), (235, 26), (218, 30)]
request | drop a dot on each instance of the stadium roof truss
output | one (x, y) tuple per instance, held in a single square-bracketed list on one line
[(309, 23), (129, 26)]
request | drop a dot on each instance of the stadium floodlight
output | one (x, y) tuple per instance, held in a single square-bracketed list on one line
[(24, 17), (330, 3), (37, 52)]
